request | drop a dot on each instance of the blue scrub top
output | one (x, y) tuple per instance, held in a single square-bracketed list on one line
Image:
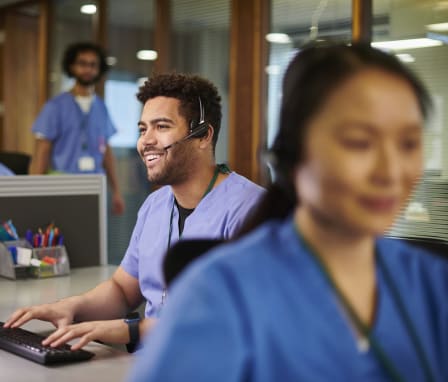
[(74, 134), (261, 310), (218, 216), (5, 170)]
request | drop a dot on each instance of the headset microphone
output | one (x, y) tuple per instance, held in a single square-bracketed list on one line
[(197, 131)]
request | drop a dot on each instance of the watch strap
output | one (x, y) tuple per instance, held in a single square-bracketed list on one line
[(134, 333)]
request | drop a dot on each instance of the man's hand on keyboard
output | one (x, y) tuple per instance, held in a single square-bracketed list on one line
[(60, 314), (112, 331)]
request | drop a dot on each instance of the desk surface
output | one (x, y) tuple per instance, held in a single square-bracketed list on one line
[(109, 364)]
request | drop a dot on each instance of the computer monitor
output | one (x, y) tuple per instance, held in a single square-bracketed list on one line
[(74, 203)]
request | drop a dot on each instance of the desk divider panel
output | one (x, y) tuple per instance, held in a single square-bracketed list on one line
[(75, 203)]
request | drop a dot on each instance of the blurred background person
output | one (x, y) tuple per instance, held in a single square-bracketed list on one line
[(73, 128), (314, 292)]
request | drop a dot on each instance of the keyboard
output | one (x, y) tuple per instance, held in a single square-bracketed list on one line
[(29, 345)]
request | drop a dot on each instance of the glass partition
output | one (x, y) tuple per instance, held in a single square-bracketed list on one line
[(417, 33), (200, 45), (293, 24), (69, 24), (130, 31)]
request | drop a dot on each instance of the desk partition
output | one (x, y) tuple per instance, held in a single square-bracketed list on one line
[(75, 203)]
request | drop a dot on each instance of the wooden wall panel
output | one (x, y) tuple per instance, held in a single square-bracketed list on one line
[(362, 17), (247, 109), (1, 78), (162, 36), (21, 80)]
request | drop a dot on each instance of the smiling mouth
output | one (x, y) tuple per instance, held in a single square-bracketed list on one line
[(152, 158)]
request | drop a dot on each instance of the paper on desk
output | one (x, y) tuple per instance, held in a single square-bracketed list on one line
[(24, 256)]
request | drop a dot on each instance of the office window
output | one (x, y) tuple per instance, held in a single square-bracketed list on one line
[(130, 31), (130, 34), (294, 23), (426, 216), (200, 45)]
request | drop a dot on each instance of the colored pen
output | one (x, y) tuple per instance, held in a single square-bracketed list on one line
[(13, 229), (8, 230), (29, 236), (50, 238)]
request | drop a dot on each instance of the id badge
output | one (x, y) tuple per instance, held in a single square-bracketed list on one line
[(86, 163)]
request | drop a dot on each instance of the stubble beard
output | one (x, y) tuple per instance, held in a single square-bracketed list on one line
[(86, 83), (176, 169)]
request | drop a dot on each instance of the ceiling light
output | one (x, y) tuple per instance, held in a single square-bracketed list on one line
[(278, 38), (111, 60), (405, 57), (88, 9), (407, 44), (147, 55), (440, 27)]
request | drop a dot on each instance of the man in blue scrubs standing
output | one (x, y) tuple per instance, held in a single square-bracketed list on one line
[(178, 131), (74, 127)]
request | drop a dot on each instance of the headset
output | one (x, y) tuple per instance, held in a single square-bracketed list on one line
[(199, 129)]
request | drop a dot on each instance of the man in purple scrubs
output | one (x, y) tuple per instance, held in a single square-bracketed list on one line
[(5, 170), (178, 132)]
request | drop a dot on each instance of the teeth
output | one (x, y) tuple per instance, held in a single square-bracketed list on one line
[(151, 157)]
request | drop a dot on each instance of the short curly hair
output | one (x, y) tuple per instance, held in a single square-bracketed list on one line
[(71, 54), (187, 88)]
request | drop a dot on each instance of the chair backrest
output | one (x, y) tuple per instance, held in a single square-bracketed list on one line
[(183, 253), (15, 161)]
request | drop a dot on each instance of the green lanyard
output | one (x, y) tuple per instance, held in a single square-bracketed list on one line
[(378, 350), (220, 169)]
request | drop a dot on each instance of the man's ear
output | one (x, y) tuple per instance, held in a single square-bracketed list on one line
[(207, 139)]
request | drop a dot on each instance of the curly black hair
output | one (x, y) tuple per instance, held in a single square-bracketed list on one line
[(71, 54), (188, 89)]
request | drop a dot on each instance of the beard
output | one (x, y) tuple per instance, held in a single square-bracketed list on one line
[(87, 81), (176, 167)]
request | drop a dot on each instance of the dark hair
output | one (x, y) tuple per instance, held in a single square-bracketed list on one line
[(187, 89), (71, 54), (313, 74)]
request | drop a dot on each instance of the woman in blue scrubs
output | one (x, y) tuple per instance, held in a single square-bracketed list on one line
[(314, 292)]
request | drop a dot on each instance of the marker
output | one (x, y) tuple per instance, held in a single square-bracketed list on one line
[(50, 238), (8, 230), (29, 236), (13, 229)]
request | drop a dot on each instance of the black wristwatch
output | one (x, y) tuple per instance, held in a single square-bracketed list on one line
[(134, 333)]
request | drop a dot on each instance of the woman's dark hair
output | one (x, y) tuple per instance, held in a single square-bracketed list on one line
[(71, 54), (187, 88), (313, 74)]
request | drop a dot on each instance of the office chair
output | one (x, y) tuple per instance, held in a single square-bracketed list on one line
[(15, 161), (181, 254)]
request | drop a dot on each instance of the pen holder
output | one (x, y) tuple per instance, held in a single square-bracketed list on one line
[(41, 262), (49, 262), (7, 259)]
